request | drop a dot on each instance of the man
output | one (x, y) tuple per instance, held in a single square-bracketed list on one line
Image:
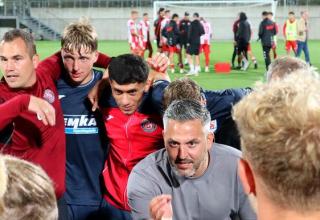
[(243, 37), (26, 191), (84, 129), (195, 32), (279, 124), (218, 103), (235, 28), (31, 139), (172, 34), (144, 32), (191, 178), (274, 45), (163, 39), (157, 25), (205, 42), (290, 33), (133, 35), (267, 31), (302, 37), (133, 124), (184, 27)]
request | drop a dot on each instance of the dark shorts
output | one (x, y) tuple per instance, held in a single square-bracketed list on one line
[(242, 47), (193, 49)]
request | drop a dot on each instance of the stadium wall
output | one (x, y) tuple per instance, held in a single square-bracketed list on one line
[(111, 23)]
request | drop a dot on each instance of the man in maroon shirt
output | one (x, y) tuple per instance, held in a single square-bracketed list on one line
[(31, 139)]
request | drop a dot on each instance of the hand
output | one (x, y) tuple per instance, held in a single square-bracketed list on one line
[(45, 111), (159, 62), (101, 89), (160, 207)]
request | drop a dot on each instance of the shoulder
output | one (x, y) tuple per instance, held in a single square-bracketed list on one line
[(150, 163), (226, 151)]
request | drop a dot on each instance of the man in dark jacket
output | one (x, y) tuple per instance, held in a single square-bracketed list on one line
[(195, 32), (157, 24), (267, 30), (171, 32), (243, 38), (184, 27)]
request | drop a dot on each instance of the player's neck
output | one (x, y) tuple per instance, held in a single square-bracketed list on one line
[(269, 211)]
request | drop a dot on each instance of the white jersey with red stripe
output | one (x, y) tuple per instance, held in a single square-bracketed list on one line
[(133, 37), (205, 39), (144, 28)]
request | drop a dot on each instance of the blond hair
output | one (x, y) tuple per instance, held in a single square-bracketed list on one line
[(26, 191), (183, 88), (79, 35), (279, 125)]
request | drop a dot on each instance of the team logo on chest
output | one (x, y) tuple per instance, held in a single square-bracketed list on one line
[(148, 126), (49, 95)]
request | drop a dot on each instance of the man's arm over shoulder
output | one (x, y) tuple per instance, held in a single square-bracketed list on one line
[(158, 88), (12, 108)]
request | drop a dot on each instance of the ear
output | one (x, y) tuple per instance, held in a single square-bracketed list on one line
[(95, 56), (246, 176), (147, 86), (35, 60), (210, 139)]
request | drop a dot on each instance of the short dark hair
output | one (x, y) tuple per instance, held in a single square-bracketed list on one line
[(167, 11), (242, 16), (160, 10), (270, 13), (196, 14), (265, 13), (175, 16), (128, 68), (144, 14), (11, 35), (291, 13)]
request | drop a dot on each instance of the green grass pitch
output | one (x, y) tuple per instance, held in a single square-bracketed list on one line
[(220, 52)]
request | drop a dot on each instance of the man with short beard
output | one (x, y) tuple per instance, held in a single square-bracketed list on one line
[(191, 178)]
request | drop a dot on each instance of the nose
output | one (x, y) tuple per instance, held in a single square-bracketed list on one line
[(9, 65), (76, 65), (182, 153), (125, 100)]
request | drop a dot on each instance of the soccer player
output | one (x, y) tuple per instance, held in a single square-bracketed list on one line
[(243, 37), (157, 26), (274, 44), (290, 33), (267, 31), (205, 42), (133, 35), (195, 32), (144, 32), (279, 124), (172, 34), (302, 38), (184, 26), (163, 39), (31, 139), (85, 133), (133, 124), (219, 104), (235, 28), (192, 178)]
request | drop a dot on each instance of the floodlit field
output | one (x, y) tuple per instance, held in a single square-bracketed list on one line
[(220, 52)]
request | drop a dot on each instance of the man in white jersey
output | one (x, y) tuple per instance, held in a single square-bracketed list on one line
[(205, 42), (144, 33), (163, 40), (133, 35)]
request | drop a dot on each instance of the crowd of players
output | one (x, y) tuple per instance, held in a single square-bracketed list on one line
[(173, 35), (129, 144)]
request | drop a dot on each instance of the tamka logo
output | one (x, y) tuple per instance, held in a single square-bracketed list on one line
[(48, 95), (148, 126)]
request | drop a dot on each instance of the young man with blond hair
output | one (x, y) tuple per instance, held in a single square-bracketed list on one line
[(279, 127), (83, 128)]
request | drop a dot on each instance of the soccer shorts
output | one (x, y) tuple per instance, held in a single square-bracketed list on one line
[(205, 48), (291, 44), (174, 49), (193, 49)]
